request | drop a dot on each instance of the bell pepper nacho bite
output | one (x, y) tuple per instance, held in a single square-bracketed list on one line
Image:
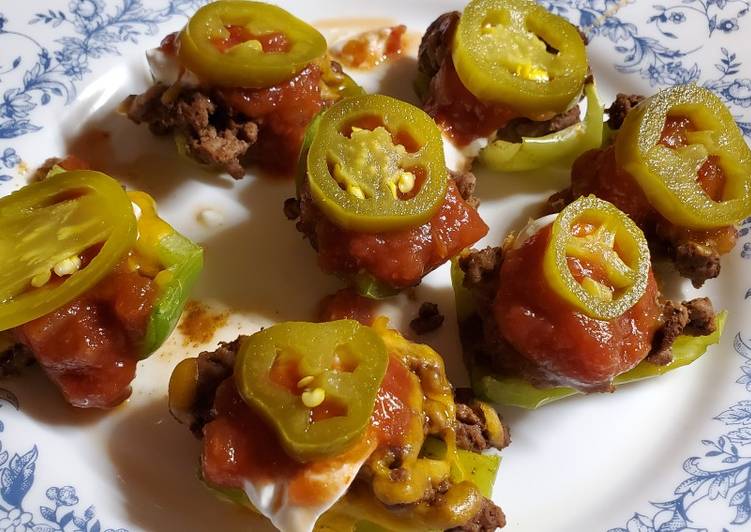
[(239, 84), (339, 426), (509, 74), (680, 168), (570, 305), (375, 199), (94, 281)]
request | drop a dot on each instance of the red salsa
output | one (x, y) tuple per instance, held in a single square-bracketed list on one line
[(400, 258), (569, 348), (282, 113), (347, 304), (461, 114), (89, 347)]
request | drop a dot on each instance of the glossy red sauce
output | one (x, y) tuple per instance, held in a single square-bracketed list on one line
[(571, 348), (460, 113), (273, 42), (401, 258), (282, 113), (238, 444), (347, 304), (89, 346), (170, 44), (372, 48)]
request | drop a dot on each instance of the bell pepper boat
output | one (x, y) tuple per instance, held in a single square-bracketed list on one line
[(239, 84), (92, 282), (506, 76), (570, 305), (375, 199), (340, 426), (680, 168)]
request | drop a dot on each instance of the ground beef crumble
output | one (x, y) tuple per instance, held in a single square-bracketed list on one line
[(429, 318), (489, 518), (213, 132), (621, 106), (14, 359)]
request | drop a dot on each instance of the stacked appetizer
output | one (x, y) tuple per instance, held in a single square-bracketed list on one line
[(680, 168), (375, 199), (509, 75), (340, 426), (93, 281), (239, 84)]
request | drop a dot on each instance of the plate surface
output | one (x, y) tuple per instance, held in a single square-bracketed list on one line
[(670, 454)]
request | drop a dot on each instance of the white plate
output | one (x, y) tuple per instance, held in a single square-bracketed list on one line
[(669, 454)]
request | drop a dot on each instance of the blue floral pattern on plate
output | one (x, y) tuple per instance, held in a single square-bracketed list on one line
[(93, 29)]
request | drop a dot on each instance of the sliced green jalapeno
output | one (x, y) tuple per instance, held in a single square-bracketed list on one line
[(668, 176), (376, 164), (315, 383), (597, 232), (518, 54), (223, 43), (46, 228), (560, 148)]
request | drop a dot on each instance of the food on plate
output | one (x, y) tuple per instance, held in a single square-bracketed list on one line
[(239, 84), (375, 199), (680, 168), (511, 73), (570, 305), (340, 426), (92, 282), (371, 48)]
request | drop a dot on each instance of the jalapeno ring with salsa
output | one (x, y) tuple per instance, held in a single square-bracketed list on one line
[(92, 288)]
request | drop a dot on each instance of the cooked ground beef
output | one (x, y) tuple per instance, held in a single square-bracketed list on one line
[(524, 127), (489, 518), (622, 104), (472, 432), (695, 261), (428, 319), (482, 341), (466, 183), (213, 132), (291, 208), (693, 318), (14, 359), (436, 43), (214, 367)]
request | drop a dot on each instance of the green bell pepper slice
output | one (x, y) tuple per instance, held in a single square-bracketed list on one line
[(514, 391), (176, 263), (207, 45), (376, 163), (560, 148), (517, 54), (315, 383)]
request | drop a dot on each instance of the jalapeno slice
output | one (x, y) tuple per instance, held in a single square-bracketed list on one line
[(559, 148), (377, 164), (516, 53), (315, 383), (173, 261), (47, 226), (596, 232), (223, 43), (668, 176)]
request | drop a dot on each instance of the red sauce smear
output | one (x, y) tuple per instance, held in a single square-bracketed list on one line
[(89, 346), (170, 44), (282, 113), (460, 113), (347, 304), (239, 445), (398, 258), (359, 51), (571, 348), (273, 42)]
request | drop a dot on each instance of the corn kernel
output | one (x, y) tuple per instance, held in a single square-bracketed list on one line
[(313, 398)]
